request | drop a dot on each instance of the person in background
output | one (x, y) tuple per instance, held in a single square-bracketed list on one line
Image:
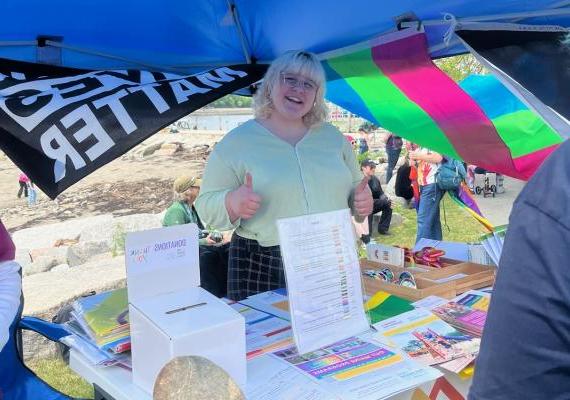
[(10, 285), (393, 150), (213, 247), (381, 202), (362, 141), (274, 167), (23, 182), (525, 349), (429, 224), (403, 186), (32, 194)]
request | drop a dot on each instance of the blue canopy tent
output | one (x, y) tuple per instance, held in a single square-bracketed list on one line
[(187, 37), (190, 36)]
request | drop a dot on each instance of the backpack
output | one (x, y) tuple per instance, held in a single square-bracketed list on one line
[(450, 174)]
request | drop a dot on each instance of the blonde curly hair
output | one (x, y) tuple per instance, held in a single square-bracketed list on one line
[(293, 62)]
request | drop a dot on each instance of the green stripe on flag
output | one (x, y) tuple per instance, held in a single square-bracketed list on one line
[(388, 104), (524, 132)]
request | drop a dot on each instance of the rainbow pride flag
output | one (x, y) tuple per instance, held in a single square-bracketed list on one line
[(395, 84)]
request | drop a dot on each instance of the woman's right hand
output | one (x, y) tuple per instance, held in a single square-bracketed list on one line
[(243, 202)]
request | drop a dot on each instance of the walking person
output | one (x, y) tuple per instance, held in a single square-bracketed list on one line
[(429, 224), (274, 167), (23, 182)]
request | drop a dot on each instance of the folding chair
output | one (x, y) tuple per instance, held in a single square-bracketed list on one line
[(17, 381)]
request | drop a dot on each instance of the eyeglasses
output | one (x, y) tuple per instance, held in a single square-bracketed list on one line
[(293, 81)]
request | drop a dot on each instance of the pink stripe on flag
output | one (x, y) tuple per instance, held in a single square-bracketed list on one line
[(471, 133), (528, 164)]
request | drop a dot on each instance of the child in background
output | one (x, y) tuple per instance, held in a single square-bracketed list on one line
[(32, 194)]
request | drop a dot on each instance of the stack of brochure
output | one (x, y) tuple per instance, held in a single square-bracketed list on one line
[(493, 242), (467, 312), (100, 325), (429, 340), (264, 333), (464, 318)]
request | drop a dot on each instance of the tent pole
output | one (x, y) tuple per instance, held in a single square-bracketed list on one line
[(488, 18), (233, 10)]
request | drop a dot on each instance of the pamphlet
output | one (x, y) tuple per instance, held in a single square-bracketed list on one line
[(273, 302), (264, 333), (358, 368), (425, 337), (323, 278), (467, 312)]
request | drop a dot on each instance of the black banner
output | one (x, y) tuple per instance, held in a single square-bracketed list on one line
[(535, 57), (59, 124)]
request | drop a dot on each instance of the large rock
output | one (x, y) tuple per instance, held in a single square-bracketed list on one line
[(138, 222), (113, 230), (58, 254), (168, 149), (40, 264), (85, 251), (396, 220), (46, 292), (23, 256), (47, 235), (150, 149)]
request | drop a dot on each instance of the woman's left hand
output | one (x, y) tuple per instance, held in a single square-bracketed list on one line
[(363, 202)]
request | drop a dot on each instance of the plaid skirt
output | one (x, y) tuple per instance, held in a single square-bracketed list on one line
[(253, 268)]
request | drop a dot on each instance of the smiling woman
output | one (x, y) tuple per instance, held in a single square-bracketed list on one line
[(286, 162)]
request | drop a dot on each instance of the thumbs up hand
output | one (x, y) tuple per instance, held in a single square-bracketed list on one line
[(243, 202), (363, 202)]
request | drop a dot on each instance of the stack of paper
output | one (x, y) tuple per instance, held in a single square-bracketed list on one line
[(467, 313), (105, 318), (493, 242), (100, 325), (274, 302), (264, 333)]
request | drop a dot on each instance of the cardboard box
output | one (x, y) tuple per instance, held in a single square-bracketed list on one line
[(170, 315)]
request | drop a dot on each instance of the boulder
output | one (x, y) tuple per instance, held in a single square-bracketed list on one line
[(23, 256), (40, 264), (47, 235), (46, 292), (58, 254), (85, 251), (169, 149), (150, 149), (60, 268), (396, 220), (138, 222)]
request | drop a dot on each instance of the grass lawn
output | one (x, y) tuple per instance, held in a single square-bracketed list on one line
[(58, 375), (457, 225), (462, 228)]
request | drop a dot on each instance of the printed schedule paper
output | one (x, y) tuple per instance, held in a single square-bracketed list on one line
[(323, 279)]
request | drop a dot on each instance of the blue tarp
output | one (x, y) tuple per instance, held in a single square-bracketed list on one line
[(187, 36)]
